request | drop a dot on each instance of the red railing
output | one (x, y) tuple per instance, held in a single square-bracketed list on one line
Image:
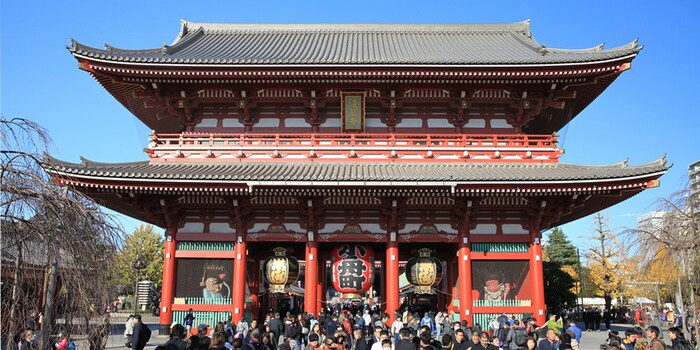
[(390, 146)]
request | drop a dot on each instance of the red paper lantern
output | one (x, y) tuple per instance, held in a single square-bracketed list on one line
[(353, 269)]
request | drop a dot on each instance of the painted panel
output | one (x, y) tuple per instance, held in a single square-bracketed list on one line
[(296, 123), (207, 123), (445, 228), (410, 228), (476, 123), (220, 227), (260, 227), (268, 123), (232, 123), (410, 123), (192, 227), (501, 283), (374, 228), (514, 229), (439, 123), (489, 229), (500, 124), (331, 123), (374, 123), (205, 278), (330, 228), (294, 227)]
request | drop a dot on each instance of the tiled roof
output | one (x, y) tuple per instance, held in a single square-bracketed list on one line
[(351, 171), (354, 44)]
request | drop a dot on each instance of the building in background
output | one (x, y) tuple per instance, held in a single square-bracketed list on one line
[(694, 179)]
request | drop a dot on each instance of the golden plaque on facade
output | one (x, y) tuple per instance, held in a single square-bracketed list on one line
[(352, 111)]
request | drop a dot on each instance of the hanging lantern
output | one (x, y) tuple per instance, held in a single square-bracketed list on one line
[(353, 270), (281, 270), (424, 272)]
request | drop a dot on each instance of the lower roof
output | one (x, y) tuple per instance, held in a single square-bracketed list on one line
[(379, 173)]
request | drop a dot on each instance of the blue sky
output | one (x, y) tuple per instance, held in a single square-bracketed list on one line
[(649, 111)]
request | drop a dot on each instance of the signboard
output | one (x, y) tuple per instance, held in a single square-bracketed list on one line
[(352, 111)]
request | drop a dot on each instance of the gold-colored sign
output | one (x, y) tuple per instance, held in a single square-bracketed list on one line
[(352, 111)]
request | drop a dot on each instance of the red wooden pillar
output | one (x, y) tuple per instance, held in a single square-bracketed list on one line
[(537, 280), (320, 284), (254, 286), (166, 299), (465, 279), (239, 267), (392, 279), (311, 278)]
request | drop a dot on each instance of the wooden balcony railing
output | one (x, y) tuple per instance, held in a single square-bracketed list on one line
[(394, 147)]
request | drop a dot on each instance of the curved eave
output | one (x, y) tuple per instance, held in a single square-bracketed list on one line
[(331, 174), (165, 65)]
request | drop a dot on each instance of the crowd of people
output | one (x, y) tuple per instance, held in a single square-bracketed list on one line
[(367, 330)]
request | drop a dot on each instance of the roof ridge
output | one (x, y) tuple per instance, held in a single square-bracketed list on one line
[(522, 26), (661, 161)]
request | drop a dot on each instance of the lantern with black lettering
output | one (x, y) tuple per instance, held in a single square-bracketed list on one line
[(352, 269), (424, 272), (281, 270)]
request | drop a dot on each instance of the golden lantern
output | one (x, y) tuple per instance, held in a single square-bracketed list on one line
[(281, 270), (424, 272)]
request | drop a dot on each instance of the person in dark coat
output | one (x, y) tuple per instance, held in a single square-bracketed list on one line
[(359, 341), (405, 343), (141, 334), (276, 328)]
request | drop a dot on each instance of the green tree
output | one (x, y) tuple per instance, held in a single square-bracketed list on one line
[(149, 244), (560, 250), (557, 287)]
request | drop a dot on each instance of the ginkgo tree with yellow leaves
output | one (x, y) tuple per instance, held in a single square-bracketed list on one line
[(610, 267)]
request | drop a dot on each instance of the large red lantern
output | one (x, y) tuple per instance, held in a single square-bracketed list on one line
[(353, 269), (424, 272)]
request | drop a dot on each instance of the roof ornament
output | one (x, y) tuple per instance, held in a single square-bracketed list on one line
[(108, 49), (600, 47), (543, 50), (635, 43), (164, 49), (73, 44)]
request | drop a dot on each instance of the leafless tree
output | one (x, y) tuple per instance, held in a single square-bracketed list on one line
[(674, 226), (57, 240)]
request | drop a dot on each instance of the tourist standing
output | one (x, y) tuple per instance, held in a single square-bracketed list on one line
[(653, 336), (128, 330), (141, 334)]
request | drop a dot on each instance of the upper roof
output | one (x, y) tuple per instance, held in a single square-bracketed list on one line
[(354, 44)]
